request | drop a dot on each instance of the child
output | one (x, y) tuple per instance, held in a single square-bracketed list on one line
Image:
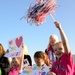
[(17, 64), (64, 64), (41, 59), (14, 69), (50, 51)]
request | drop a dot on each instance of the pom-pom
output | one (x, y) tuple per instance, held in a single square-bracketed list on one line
[(37, 12)]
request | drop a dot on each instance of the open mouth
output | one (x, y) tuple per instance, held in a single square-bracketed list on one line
[(58, 54)]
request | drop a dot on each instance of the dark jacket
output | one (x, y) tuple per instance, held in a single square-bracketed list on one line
[(29, 59), (3, 72), (4, 63)]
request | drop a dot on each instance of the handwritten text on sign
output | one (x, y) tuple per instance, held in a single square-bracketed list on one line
[(34, 70)]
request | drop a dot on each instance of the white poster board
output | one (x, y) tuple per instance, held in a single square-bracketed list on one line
[(15, 47), (35, 70)]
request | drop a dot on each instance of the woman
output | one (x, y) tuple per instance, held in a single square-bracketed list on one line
[(50, 51), (4, 63)]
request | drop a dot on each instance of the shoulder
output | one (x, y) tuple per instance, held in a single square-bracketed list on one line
[(67, 55)]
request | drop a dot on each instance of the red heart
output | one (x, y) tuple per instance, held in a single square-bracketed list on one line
[(19, 41)]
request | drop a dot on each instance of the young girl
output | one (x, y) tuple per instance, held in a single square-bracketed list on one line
[(17, 64), (14, 69), (64, 64), (41, 59), (4, 63), (50, 51)]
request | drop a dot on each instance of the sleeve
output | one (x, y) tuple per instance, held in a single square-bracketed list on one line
[(5, 62), (2, 71), (69, 58)]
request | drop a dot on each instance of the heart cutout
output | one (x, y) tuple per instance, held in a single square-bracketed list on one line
[(19, 41)]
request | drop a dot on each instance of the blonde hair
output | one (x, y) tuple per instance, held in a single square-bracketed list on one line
[(25, 49), (42, 55), (58, 43), (54, 36), (2, 51), (17, 59)]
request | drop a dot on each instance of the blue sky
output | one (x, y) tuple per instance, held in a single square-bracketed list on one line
[(35, 37)]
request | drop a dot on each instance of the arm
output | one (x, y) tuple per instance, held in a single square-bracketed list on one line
[(22, 58), (63, 37), (51, 73)]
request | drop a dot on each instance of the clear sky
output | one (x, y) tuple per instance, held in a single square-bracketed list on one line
[(35, 37)]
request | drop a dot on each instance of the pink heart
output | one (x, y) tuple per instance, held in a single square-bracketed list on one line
[(19, 41)]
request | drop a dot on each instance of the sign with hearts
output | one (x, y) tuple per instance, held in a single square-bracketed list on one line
[(15, 47)]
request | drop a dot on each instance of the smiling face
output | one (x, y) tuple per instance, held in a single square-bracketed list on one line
[(53, 39), (15, 62), (58, 49)]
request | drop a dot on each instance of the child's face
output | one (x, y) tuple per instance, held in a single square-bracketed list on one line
[(52, 41), (39, 61), (59, 50), (15, 62)]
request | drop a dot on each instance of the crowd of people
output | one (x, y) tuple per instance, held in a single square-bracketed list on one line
[(57, 55)]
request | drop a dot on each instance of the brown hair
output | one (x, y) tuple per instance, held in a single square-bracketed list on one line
[(2, 51), (42, 55)]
